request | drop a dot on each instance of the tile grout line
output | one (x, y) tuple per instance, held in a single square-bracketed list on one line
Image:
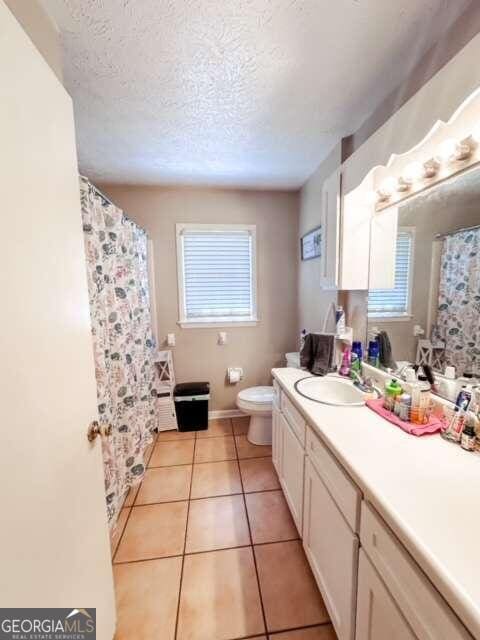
[(209, 497), (185, 464), (130, 508), (177, 617), (196, 553), (251, 540)]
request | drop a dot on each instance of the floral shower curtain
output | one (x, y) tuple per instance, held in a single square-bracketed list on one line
[(116, 253), (458, 317)]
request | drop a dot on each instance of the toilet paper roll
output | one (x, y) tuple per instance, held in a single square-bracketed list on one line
[(234, 375)]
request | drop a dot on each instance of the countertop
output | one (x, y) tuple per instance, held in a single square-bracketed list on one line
[(426, 489)]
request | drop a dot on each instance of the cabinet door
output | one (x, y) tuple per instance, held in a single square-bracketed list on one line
[(330, 231), (276, 440), (292, 467), (383, 248), (332, 550), (378, 617)]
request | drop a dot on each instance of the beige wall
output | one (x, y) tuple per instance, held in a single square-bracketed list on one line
[(313, 302), (41, 31), (256, 349)]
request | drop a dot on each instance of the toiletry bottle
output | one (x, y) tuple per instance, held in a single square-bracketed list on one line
[(468, 437), (303, 335), (355, 364), (346, 363), (391, 391), (415, 392), (358, 349), (404, 402), (455, 428), (425, 399), (339, 321), (373, 353), (448, 386)]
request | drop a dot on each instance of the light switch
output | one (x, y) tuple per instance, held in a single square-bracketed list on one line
[(170, 339), (222, 337)]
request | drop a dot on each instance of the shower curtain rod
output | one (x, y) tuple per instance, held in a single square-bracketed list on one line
[(100, 193), (452, 233)]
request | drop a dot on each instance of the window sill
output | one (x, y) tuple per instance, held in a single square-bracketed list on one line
[(405, 317), (221, 322)]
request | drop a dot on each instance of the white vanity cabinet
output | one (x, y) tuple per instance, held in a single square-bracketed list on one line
[(396, 575), (372, 587), (378, 617)]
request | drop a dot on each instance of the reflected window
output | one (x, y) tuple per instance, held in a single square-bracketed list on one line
[(396, 302)]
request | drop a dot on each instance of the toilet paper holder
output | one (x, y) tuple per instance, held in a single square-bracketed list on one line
[(234, 374)]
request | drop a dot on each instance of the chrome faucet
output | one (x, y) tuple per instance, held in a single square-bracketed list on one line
[(365, 384)]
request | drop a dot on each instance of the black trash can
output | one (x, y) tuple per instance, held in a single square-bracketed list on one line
[(191, 405)]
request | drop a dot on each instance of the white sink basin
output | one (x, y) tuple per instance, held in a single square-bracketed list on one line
[(333, 390)]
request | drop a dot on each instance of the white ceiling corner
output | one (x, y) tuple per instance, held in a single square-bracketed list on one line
[(250, 93)]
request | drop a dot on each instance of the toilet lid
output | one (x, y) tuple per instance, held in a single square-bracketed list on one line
[(261, 395)]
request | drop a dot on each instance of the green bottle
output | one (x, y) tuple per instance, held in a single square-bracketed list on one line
[(392, 390)]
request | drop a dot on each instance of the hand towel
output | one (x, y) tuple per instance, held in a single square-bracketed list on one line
[(385, 348), (317, 353)]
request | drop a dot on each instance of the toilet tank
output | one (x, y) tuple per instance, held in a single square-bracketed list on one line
[(293, 359)]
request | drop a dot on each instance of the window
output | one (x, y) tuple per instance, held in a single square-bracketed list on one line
[(216, 274), (396, 302)]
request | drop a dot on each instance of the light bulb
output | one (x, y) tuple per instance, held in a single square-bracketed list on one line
[(414, 172), (452, 150), (447, 151), (388, 186), (431, 168)]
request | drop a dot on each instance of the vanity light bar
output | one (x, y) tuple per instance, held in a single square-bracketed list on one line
[(449, 152)]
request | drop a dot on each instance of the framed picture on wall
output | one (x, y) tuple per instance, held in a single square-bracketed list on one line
[(311, 244)]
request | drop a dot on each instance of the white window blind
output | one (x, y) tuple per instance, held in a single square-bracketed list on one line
[(217, 273), (396, 301)]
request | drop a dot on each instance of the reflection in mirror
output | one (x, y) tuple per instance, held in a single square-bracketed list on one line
[(424, 294)]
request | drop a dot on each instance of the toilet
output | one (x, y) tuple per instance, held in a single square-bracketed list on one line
[(256, 402)]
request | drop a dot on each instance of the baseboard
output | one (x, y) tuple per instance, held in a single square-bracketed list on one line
[(225, 413)]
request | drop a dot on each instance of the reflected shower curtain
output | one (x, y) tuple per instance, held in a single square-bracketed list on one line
[(116, 254), (458, 317)]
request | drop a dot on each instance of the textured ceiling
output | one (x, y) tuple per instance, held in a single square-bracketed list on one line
[(232, 92)]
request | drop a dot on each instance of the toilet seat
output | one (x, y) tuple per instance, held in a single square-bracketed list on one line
[(257, 395)]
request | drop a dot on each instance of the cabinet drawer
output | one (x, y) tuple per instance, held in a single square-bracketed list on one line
[(426, 611), (277, 394), (345, 492), (294, 418)]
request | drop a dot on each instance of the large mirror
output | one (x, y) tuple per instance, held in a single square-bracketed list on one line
[(430, 312)]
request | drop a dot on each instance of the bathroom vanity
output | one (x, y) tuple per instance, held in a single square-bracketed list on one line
[(389, 522)]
